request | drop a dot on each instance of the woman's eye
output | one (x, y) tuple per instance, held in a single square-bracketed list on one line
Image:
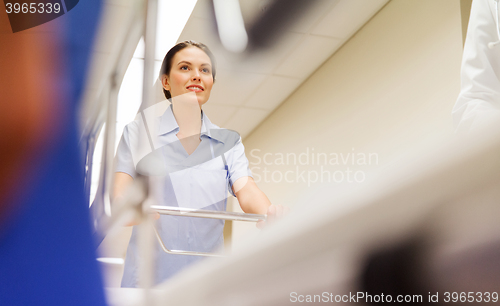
[(184, 68), (205, 70)]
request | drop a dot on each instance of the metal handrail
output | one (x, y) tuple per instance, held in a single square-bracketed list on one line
[(199, 213)]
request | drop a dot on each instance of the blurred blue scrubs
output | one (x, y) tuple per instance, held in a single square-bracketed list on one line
[(47, 256)]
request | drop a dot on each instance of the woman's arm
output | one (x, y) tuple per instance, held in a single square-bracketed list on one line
[(121, 182), (253, 201)]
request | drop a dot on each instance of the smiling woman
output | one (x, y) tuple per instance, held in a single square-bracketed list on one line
[(198, 162), (185, 61)]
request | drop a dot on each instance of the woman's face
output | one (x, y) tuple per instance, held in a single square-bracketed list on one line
[(191, 72)]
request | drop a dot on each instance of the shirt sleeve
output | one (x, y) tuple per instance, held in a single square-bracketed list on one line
[(123, 159), (479, 98), (237, 164)]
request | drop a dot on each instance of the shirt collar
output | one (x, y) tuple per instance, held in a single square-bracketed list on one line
[(169, 124)]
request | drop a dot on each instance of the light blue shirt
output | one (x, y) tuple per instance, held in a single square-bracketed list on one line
[(200, 180)]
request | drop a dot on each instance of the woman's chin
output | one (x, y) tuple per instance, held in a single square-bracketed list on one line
[(201, 101)]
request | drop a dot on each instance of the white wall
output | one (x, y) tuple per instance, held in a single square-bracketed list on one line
[(389, 91)]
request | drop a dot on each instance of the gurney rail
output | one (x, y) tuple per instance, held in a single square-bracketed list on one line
[(199, 213)]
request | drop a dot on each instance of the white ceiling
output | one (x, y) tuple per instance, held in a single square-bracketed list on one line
[(248, 89)]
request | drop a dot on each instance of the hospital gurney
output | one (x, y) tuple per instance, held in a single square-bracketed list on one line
[(342, 250), (398, 222)]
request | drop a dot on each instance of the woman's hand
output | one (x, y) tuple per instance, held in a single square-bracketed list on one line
[(122, 182), (274, 213), (138, 221), (253, 201)]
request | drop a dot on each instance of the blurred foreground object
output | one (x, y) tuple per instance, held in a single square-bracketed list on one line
[(276, 17), (265, 31), (46, 250), (430, 225), (28, 105), (479, 101)]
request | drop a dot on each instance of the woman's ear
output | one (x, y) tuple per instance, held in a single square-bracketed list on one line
[(164, 82)]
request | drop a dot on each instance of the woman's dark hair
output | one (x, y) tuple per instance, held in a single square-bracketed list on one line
[(167, 61)]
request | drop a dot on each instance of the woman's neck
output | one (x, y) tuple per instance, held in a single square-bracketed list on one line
[(187, 113)]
